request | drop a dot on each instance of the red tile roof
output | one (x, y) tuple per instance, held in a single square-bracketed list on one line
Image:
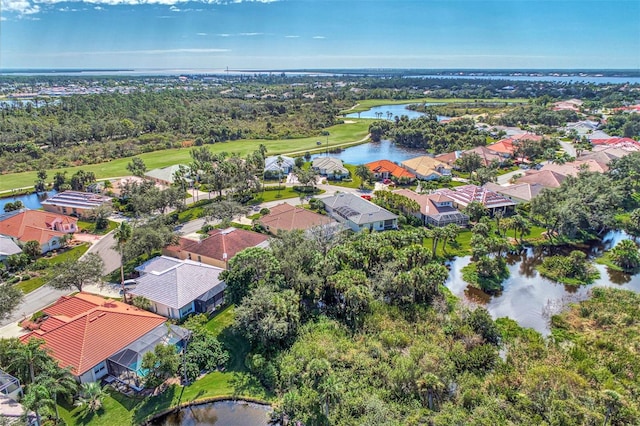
[(287, 217), (219, 242), (84, 340), (35, 225), (504, 146), (386, 166)]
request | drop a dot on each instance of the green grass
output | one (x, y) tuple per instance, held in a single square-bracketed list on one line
[(283, 194), (90, 226), (235, 382), (355, 180), (350, 133), (196, 211), (37, 282), (605, 259)]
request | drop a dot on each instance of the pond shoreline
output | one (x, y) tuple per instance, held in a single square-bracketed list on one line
[(149, 421)]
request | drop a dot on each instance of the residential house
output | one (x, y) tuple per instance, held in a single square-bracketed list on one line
[(8, 247), (75, 203), (583, 127), (385, 169), (358, 213), (546, 178), (427, 168), (519, 193), (449, 158), (46, 228), (605, 153), (462, 196), (572, 168), (504, 148), (9, 386), (598, 135), (330, 167), (94, 337), (216, 249), (569, 105), (278, 165), (628, 143), (435, 209), (487, 156), (177, 288), (167, 175), (285, 217)]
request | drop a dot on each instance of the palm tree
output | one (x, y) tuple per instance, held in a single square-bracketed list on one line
[(449, 234), (626, 255), (436, 234), (30, 356), (520, 224), (59, 381), (37, 398), (363, 173), (122, 234), (429, 385), (91, 396)]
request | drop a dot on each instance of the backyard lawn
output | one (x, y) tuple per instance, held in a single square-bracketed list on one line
[(90, 227), (233, 382)]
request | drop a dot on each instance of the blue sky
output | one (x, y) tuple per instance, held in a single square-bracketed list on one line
[(289, 34)]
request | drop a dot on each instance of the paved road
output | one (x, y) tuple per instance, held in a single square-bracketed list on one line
[(104, 248), (569, 148), (33, 302)]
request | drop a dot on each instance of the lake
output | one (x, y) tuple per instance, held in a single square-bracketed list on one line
[(32, 201), (389, 112), (373, 151), (220, 413), (531, 299)]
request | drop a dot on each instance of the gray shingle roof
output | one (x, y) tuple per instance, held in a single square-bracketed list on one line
[(175, 283), (8, 247), (357, 209)]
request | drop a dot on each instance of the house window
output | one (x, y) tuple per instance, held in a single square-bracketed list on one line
[(186, 310), (199, 258), (189, 256)]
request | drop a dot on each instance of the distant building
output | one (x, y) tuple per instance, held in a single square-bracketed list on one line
[(177, 288), (359, 214), (36, 225), (385, 169), (218, 248), (166, 175), (435, 209), (285, 217), (427, 168), (75, 203), (546, 178), (330, 167)]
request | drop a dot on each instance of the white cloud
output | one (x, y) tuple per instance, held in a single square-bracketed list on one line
[(319, 37), (291, 36), (202, 34), (99, 8), (174, 9), (250, 34), (28, 7), (2, 18), (143, 52), (223, 35)]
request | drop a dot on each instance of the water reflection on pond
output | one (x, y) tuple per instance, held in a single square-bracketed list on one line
[(531, 299), (221, 413), (32, 201)]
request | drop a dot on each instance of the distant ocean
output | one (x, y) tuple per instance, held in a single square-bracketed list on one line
[(592, 76)]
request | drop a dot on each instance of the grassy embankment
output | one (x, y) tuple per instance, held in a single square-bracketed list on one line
[(37, 282), (339, 136), (234, 382)]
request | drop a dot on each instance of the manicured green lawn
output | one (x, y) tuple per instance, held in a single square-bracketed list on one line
[(339, 134), (37, 282), (233, 382), (283, 194), (90, 227)]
